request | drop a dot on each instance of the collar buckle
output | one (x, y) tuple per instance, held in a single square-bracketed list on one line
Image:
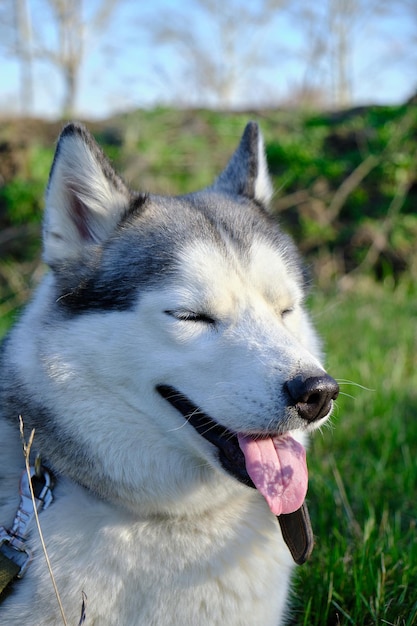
[(12, 542)]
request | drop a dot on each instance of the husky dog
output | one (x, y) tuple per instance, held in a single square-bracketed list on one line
[(171, 373)]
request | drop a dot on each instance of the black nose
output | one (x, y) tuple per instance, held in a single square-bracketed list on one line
[(312, 397)]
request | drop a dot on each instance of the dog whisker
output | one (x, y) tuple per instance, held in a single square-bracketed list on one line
[(347, 395), (342, 381)]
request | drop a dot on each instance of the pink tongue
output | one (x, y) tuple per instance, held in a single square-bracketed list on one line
[(277, 466)]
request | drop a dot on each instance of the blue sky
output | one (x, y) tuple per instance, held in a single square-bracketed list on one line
[(123, 69)]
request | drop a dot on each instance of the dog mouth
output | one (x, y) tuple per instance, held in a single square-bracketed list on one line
[(274, 465), (230, 454)]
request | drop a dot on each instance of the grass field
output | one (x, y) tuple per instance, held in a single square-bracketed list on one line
[(363, 470)]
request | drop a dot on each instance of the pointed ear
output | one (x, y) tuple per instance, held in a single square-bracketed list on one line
[(85, 198), (247, 171)]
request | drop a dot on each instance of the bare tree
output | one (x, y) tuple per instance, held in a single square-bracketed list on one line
[(343, 17), (311, 54), (24, 52), (68, 54), (331, 32), (219, 46), (16, 42), (25, 38)]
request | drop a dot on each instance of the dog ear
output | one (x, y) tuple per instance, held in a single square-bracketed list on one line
[(85, 198), (247, 171)]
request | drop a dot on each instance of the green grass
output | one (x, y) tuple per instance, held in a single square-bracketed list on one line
[(346, 183), (363, 470)]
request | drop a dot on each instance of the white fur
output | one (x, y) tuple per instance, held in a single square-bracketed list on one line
[(263, 184)]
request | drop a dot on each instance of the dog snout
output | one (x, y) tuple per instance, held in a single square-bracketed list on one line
[(312, 396)]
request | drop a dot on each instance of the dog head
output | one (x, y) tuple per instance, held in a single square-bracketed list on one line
[(170, 329)]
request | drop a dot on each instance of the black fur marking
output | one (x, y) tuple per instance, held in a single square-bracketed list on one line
[(135, 208), (231, 456)]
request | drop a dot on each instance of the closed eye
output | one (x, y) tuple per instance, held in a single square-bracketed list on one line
[(286, 312), (191, 316)]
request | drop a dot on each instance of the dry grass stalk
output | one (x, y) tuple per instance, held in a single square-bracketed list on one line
[(26, 453)]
